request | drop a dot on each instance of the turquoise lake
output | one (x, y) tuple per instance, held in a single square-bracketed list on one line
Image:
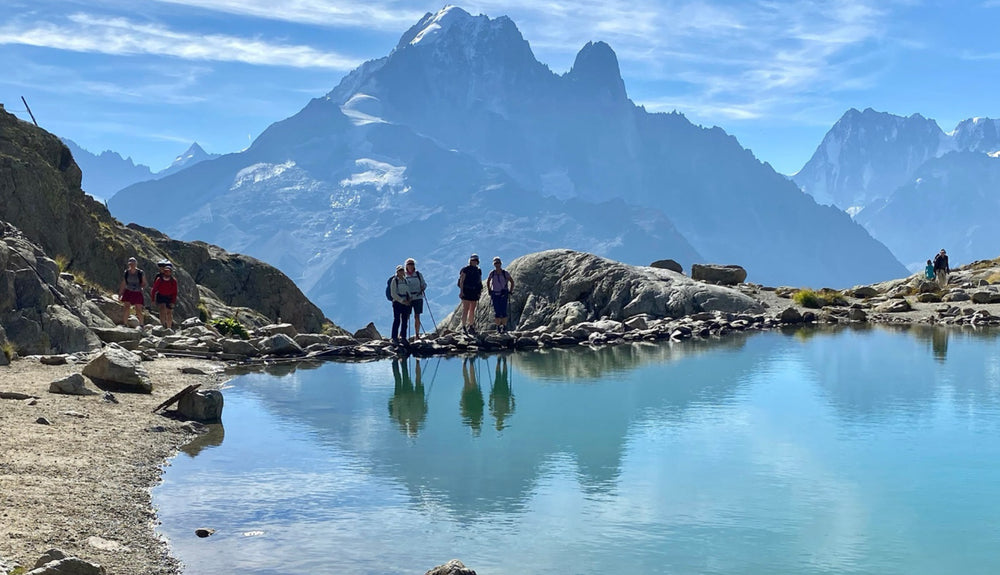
[(853, 451)]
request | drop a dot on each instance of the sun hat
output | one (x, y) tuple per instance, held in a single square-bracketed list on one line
[(496, 259), (399, 268), (474, 257), (411, 261)]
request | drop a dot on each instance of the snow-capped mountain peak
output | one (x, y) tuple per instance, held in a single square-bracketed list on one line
[(432, 27)]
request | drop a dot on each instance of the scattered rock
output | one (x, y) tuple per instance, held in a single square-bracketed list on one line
[(76, 414), (204, 532), (201, 405), (53, 554), (109, 397), (893, 306), (367, 333), (790, 315), (453, 567), (68, 566), (668, 265), (43, 421), (193, 370), (864, 292), (52, 360), (720, 274), (280, 344), (276, 328), (73, 384), (107, 544), (119, 368)]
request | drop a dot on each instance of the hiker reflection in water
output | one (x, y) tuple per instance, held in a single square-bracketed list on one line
[(471, 404), (407, 406), (501, 395), (939, 344)]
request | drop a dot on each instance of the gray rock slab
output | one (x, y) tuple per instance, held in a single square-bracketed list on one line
[(119, 368), (73, 384)]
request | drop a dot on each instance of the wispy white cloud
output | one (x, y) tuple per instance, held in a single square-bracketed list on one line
[(120, 36), (394, 16)]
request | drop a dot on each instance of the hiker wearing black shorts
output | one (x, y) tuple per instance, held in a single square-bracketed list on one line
[(400, 306), (415, 287), (470, 287), (500, 285)]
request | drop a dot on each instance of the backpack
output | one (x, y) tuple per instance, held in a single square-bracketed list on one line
[(388, 288)]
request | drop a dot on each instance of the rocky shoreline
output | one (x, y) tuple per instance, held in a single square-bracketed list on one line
[(81, 482)]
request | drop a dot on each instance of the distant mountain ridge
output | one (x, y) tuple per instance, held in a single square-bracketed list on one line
[(459, 141), (106, 173), (914, 187), (867, 155)]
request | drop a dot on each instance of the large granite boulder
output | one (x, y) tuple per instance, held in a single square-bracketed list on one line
[(560, 288), (118, 368), (719, 274)]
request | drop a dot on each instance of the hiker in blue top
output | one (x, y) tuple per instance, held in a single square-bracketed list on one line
[(400, 306), (929, 270), (500, 285)]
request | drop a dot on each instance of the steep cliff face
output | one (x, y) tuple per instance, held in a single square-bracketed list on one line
[(40, 194)]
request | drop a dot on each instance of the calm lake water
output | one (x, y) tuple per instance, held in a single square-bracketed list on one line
[(870, 451)]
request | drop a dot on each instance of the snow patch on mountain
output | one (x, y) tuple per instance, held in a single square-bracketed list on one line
[(363, 109), (256, 173), (378, 175)]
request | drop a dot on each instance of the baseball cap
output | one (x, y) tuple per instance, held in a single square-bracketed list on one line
[(474, 257), (130, 260)]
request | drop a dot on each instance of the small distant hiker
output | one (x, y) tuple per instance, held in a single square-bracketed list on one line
[(415, 287), (164, 293), (929, 270), (941, 268), (500, 285), (470, 287), (400, 306), (130, 291)]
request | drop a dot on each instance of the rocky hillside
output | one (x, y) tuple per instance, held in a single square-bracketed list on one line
[(41, 198)]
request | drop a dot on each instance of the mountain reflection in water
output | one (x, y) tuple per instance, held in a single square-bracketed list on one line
[(776, 446)]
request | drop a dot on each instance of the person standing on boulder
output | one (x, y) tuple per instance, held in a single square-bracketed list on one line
[(130, 291), (941, 268), (400, 306), (470, 287), (164, 293), (500, 285), (929, 270), (415, 286)]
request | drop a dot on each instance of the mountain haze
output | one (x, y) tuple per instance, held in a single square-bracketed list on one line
[(460, 141), (914, 187), (107, 172)]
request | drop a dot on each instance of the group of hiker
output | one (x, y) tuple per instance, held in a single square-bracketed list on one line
[(407, 291), (938, 270), (163, 294)]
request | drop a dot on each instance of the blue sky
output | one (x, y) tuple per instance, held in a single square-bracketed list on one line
[(148, 77)]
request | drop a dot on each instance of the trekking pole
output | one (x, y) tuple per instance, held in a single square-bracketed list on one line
[(427, 301)]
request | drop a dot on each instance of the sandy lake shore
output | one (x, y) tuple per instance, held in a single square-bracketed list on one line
[(82, 483)]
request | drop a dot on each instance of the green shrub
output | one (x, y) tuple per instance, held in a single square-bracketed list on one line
[(7, 348), (203, 314), (809, 298), (230, 326)]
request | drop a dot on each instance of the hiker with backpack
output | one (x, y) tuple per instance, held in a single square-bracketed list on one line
[(415, 286), (500, 285), (396, 291), (164, 293), (941, 268), (470, 287), (130, 290)]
